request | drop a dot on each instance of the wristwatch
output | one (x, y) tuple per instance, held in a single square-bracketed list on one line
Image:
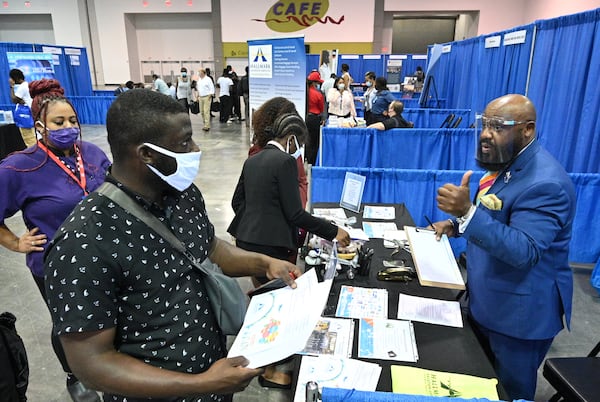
[(468, 215)]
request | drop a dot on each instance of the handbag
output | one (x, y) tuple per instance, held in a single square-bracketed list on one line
[(195, 107), (227, 300), (22, 116), (215, 106)]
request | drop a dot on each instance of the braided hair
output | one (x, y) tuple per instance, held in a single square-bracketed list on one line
[(44, 92)]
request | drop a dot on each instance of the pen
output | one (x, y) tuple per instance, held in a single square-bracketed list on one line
[(429, 221)]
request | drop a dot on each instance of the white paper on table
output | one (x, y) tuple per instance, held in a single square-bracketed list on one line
[(384, 339), (377, 229), (390, 235), (379, 212), (278, 323), (356, 234), (330, 213), (331, 336), (431, 311), (335, 372), (357, 302)]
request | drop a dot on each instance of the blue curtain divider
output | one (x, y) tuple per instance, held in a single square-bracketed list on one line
[(433, 118), (439, 149), (417, 190), (564, 67), (103, 92), (566, 64), (92, 109), (74, 76), (353, 395)]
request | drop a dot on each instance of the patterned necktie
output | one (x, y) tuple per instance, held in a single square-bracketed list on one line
[(484, 184)]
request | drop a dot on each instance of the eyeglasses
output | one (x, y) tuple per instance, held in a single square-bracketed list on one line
[(495, 124)]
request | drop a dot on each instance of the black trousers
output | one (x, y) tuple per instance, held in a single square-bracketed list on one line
[(225, 108), (313, 123)]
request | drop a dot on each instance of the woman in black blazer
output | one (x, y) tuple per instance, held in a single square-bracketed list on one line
[(267, 200)]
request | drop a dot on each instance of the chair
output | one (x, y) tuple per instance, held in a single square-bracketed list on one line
[(446, 123), (574, 378)]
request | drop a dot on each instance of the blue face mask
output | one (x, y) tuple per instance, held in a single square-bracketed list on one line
[(369, 84), (64, 138), (318, 86), (184, 75)]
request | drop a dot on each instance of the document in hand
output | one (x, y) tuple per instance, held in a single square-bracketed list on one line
[(278, 323), (434, 260)]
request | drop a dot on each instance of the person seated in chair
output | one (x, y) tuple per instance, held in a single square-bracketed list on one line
[(395, 119)]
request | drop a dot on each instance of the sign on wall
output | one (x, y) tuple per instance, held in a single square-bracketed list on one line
[(318, 21)]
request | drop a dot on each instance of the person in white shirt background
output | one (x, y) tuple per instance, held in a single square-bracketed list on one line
[(340, 99), (206, 91), (224, 84), (19, 94)]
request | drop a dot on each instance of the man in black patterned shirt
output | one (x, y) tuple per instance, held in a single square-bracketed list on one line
[(131, 312)]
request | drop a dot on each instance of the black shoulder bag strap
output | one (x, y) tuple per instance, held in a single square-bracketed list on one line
[(120, 197)]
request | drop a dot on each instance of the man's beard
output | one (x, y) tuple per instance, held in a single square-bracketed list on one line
[(497, 158)]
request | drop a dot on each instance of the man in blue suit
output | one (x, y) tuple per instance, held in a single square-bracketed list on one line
[(519, 281)]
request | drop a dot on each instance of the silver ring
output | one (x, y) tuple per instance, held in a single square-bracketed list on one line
[(33, 243)]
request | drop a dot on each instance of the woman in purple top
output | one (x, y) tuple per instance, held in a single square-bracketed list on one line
[(45, 182)]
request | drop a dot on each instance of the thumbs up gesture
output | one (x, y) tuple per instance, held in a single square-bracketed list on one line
[(455, 200)]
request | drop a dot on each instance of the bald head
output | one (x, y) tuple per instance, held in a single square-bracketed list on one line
[(512, 107), (509, 129)]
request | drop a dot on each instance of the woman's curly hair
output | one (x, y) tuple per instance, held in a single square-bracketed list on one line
[(265, 115)]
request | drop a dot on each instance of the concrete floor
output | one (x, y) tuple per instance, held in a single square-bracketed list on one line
[(224, 151)]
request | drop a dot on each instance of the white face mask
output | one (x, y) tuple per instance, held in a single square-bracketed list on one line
[(188, 164), (299, 151), (341, 87)]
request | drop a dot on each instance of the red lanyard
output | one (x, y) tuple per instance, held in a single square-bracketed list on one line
[(82, 181)]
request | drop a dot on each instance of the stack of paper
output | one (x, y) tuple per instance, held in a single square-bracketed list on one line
[(387, 340), (357, 302), (432, 311), (336, 372)]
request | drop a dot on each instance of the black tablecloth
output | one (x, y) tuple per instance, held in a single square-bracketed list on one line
[(10, 140), (440, 348)]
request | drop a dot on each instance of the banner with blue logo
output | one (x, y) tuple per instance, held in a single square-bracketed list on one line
[(34, 66), (277, 67)]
